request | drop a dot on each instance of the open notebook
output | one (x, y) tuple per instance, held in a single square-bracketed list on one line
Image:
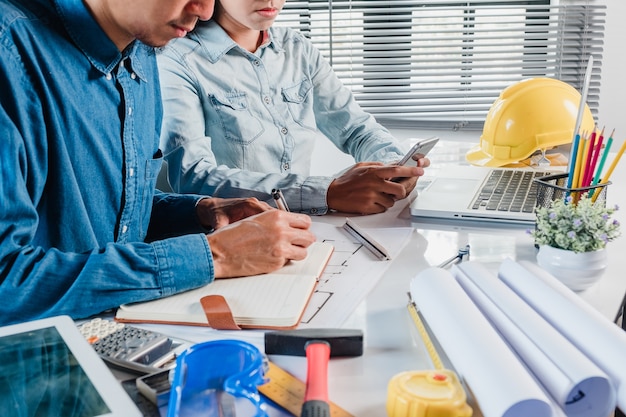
[(476, 193), (268, 301)]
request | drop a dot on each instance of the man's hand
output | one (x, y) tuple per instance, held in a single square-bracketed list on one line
[(215, 213), (367, 188), (410, 182), (260, 244)]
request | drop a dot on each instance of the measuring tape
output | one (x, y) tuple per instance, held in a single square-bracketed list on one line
[(436, 393), (288, 391), (430, 347)]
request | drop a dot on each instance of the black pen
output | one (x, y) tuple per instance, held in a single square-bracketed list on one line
[(281, 203)]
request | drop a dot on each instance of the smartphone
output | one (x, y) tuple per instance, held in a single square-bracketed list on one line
[(421, 149), (155, 387)]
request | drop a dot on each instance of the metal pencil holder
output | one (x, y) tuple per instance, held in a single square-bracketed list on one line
[(554, 187)]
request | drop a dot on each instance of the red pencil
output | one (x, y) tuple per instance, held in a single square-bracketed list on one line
[(594, 161), (587, 169)]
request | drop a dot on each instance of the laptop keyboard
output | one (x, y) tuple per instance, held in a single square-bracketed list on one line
[(509, 190)]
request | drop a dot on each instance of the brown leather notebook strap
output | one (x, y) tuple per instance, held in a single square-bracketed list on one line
[(218, 313)]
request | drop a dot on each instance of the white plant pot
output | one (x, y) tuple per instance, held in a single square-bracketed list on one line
[(578, 271)]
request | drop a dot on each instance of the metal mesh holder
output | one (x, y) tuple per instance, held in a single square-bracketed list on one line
[(554, 187)]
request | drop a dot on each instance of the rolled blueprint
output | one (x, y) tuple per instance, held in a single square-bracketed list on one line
[(500, 383), (597, 337), (573, 380)]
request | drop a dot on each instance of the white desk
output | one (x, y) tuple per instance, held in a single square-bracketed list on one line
[(360, 384)]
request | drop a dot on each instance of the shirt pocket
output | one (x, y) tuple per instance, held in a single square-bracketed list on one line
[(238, 122), (300, 104)]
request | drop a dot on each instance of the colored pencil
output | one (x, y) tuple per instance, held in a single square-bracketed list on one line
[(579, 161), (609, 171), (572, 164), (600, 167), (588, 156), (594, 159)]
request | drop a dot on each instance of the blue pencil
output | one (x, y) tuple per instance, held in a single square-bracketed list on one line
[(572, 160)]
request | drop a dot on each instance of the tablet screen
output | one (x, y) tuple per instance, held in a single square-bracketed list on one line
[(47, 369), (39, 376)]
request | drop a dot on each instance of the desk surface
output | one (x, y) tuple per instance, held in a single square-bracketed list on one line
[(360, 384)]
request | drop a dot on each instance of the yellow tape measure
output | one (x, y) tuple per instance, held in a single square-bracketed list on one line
[(430, 347), (433, 393), (288, 391)]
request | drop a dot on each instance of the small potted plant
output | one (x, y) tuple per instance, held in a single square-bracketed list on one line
[(572, 237)]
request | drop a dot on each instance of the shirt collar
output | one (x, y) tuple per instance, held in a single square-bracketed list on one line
[(93, 42), (216, 43)]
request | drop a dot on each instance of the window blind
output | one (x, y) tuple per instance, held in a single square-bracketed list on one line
[(441, 64)]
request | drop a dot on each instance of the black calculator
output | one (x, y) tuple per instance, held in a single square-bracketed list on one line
[(131, 348)]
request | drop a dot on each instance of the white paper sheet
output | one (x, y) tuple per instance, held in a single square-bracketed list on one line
[(351, 273), (596, 336), (500, 383), (573, 380)]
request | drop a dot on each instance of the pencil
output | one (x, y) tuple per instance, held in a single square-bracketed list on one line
[(572, 161), (594, 160), (605, 153), (609, 171), (579, 161), (588, 154)]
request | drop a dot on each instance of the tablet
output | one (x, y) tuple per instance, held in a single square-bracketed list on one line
[(47, 368)]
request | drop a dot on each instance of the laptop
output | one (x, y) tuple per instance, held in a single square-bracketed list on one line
[(49, 369), (466, 192)]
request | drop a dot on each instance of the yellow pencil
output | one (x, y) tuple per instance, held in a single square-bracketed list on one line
[(582, 151), (609, 171)]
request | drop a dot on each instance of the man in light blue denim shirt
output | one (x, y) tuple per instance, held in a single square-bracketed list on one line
[(82, 229), (244, 105)]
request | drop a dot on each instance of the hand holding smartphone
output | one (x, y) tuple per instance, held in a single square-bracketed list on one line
[(421, 149)]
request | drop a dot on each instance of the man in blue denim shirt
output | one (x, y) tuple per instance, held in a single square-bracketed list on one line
[(82, 229), (245, 103)]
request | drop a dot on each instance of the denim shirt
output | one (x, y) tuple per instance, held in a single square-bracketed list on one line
[(240, 124), (79, 125)]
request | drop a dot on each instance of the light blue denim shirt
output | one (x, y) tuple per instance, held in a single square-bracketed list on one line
[(240, 124), (79, 127)]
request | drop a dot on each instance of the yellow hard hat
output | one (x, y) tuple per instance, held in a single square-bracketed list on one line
[(533, 114)]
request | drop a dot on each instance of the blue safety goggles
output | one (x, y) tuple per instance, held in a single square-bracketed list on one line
[(218, 378)]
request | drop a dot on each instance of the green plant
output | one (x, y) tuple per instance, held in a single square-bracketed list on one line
[(582, 226)]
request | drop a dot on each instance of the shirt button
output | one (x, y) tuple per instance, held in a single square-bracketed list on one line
[(133, 75), (256, 63), (284, 130), (108, 76), (313, 210), (267, 100), (286, 166), (130, 111), (131, 172), (124, 229)]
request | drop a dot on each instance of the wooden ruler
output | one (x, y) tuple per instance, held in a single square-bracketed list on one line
[(288, 391)]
